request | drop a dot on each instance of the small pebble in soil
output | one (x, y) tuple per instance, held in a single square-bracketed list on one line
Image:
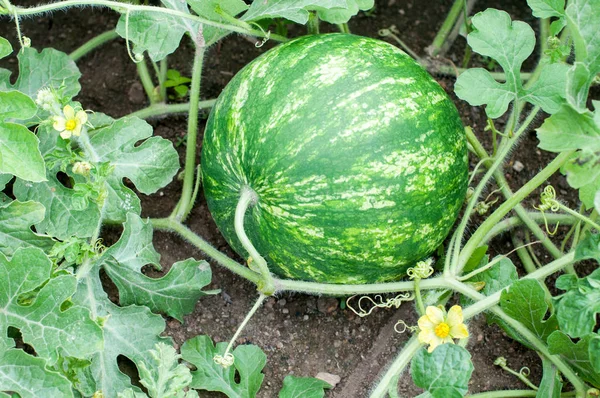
[(285, 311), (329, 378), (136, 93), (327, 305), (518, 166), (282, 302)]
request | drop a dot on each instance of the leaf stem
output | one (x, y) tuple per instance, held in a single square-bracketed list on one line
[(515, 221), (344, 28), (255, 307), (402, 361), (579, 216), (312, 26), (92, 44), (159, 109), (123, 7), (146, 79), (248, 197), (453, 16), (418, 298), (172, 225), (505, 394), (185, 204)]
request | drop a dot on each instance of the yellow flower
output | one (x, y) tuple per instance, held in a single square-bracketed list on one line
[(71, 123), (438, 327)]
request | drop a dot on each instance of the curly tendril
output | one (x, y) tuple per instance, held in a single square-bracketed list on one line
[(379, 302), (405, 327), (224, 361), (422, 270), (548, 202)]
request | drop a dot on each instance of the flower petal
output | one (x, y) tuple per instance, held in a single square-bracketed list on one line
[(436, 341), (455, 316), (426, 336), (59, 123), (425, 323), (81, 117), (459, 331), (65, 134), (69, 112), (435, 314), (77, 130)]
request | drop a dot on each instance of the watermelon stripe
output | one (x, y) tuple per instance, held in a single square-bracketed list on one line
[(357, 155)]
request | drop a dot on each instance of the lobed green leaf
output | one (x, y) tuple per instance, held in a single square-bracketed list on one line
[(577, 355), (294, 10), (303, 387), (16, 219), (444, 373)]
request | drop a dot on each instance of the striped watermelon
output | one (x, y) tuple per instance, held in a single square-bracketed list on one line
[(357, 156)]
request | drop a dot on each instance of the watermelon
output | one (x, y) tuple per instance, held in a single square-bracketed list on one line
[(357, 157)]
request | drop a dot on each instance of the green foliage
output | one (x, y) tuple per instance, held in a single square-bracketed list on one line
[(575, 354), (166, 378), (5, 47), (341, 15), (445, 373), (576, 309), (249, 362), (218, 11), (510, 44), (550, 9), (303, 387), (551, 384), (16, 219), (179, 84), (295, 10), (525, 301)]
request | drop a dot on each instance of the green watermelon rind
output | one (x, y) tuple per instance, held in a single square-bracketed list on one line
[(358, 158)]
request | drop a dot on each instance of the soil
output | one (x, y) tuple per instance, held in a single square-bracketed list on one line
[(301, 334)]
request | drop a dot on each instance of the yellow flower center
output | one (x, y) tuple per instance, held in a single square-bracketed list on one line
[(442, 330), (70, 124)]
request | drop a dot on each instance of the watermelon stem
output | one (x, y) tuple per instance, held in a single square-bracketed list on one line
[(249, 197)]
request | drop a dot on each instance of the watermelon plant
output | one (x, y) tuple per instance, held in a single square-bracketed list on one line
[(333, 164)]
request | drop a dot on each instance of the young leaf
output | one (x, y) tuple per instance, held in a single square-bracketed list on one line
[(175, 294), (445, 373), (595, 352), (16, 219), (5, 47), (44, 324), (16, 105), (20, 154), (294, 10), (166, 378), (49, 68), (576, 309), (157, 33), (303, 387), (551, 385), (510, 44), (216, 10), (150, 165), (577, 355), (249, 361), (589, 247), (343, 15), (525, 301), (28, 376), (549, 9)]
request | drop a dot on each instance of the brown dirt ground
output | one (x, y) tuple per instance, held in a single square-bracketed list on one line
[(301, 334)]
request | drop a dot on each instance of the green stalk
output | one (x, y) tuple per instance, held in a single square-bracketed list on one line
[(344, 28), (402, 361), (579, 216), (418, 298), (312, 26), (184, 206), (248, 197), (255, 307), (93, 44), (162, 78), (446, 28), (494, 218), (120, 7), (505, 394), (516, 221), (146, 80), (157, 110), (452, 71), (168, 224), (531, 338), (458, 260)]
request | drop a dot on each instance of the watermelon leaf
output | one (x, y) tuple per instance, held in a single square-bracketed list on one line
[(249, 362), (216, 10), (550, 9), (443, 373), (576, 309), (175, 294), (510, 43), (294, 10), (303, 387), (5, 47), (39, 314), (16, 219), (166, 378), (525, 301), (343, 15), (576, 354), (20, 154)]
